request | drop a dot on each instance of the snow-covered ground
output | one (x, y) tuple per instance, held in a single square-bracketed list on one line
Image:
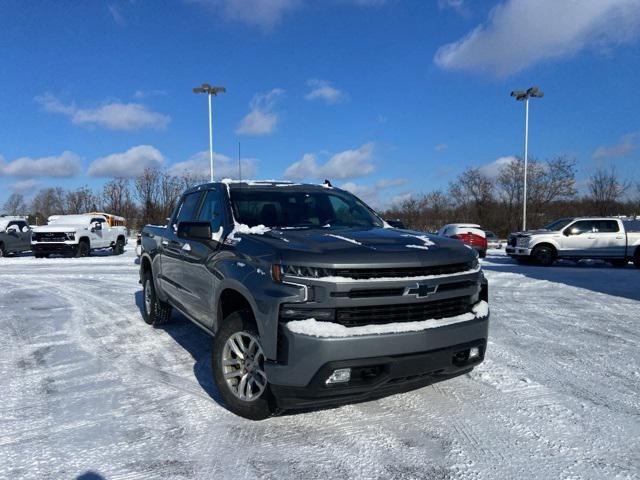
[(87, 388)]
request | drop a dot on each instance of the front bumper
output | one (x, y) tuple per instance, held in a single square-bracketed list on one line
[(518, 251), (381, 364), (59, 247)]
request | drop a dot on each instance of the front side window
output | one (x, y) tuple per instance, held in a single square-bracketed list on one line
[(211, 210), (578, 228), (281, 207), (187, 209), (557, 225)]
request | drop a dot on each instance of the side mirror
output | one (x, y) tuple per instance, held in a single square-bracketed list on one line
[(572, 231), (25, 229), (200, 231), (97, 226), (13, 229)]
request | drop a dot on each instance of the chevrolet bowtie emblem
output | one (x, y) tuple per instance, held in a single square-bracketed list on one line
[(421, 290)]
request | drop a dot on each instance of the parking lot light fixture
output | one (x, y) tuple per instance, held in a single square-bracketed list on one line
[(211, 92), (525, 95)]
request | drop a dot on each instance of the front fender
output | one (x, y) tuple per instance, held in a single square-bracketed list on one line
[(263, 294)]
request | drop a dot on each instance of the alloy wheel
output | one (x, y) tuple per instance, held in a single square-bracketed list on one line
[(243, 366)]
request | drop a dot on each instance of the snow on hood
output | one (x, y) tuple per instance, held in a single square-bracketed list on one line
[(314, 328), (57, 227)]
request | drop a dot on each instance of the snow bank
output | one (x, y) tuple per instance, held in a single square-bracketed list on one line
[(315, 328)]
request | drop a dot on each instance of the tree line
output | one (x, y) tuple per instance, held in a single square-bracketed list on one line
[(148, 198), (495, 201)]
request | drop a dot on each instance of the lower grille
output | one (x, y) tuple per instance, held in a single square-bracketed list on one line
[(411, 312)]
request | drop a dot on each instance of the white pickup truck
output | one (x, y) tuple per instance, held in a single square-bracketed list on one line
[(614, 240), (79, 235)]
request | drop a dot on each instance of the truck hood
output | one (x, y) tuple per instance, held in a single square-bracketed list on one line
[(529, 233), (371, 247), (57, 229)]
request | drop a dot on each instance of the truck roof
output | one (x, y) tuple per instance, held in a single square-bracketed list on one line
[(73, 219), (256, 184)]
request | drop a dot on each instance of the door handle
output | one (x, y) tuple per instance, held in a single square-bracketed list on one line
[(619, 238), (186, 248)]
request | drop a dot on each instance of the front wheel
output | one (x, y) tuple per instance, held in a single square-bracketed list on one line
[(118, 248), (238, 368), (82, 250), (544, 255)]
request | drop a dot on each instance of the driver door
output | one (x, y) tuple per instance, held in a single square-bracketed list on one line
[(578, 239)]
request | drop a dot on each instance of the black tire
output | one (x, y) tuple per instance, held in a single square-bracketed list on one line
[(619, 262), (83, 249), (2, 251), (544, 255), (154, 311), (264, 405), (118, 248), (636, 259), (482, 253)]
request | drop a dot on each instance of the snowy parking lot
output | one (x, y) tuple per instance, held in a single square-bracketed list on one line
[(89, 390)]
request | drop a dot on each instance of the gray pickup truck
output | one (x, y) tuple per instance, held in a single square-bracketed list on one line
[(15, 235), (313, 300)]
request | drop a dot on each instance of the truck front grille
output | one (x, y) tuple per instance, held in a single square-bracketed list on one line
[(49, 237), (407, 312), (367, 273)]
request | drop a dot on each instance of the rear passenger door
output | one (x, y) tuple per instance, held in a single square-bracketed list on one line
[(610, 239), (198, 281)]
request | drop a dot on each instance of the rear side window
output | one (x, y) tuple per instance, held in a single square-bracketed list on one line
[(606, 226), (632, 226), (187, 209)]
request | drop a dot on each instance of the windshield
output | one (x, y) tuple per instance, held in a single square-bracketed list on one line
[(298, 209), (558, 224)]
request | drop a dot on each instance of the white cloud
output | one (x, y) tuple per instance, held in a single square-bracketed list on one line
[(521, 33), (372, 194), (127, 164), (492, 169), (458, 6), (261, 13), (627, 144), (116, 15), (223, 166), (25, 186), (149, 93), (67, 164), (323, 90), (347, 164), (441, 147), (114, 115), (261, 120)]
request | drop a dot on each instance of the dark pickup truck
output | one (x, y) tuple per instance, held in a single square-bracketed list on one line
[(313, 300)]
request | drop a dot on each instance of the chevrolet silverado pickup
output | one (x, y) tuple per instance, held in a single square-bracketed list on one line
[(614, 240), (312, 299), (79, 235)]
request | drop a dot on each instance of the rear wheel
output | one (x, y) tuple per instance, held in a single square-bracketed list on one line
[(238, 368), (544, 255), (118, 248), (155, 312)]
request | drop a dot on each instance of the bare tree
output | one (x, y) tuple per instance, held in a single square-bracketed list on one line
[(472, 194), (171, 187), (47, 202), (606, 189), (15, 205), (81, 200), (146, 191)]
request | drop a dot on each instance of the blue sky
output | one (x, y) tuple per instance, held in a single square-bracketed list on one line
[(385, 97)]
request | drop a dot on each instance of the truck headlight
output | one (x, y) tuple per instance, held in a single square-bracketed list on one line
[(71, 236), (279, 271), (523, 242)]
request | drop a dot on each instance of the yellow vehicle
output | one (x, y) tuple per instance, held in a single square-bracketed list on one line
[(112, 220)]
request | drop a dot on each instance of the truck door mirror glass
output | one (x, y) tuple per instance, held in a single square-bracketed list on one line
[(194, 231)]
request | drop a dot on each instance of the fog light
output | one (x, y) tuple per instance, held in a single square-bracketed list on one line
[(341, 375), (474, 352)]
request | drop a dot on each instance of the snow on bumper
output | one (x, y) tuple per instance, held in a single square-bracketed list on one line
[(315, 328)]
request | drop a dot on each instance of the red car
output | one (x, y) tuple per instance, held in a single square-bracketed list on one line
[(470, 234)]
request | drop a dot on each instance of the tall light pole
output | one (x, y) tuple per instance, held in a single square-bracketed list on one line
[(211, 92), (520, 95)]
